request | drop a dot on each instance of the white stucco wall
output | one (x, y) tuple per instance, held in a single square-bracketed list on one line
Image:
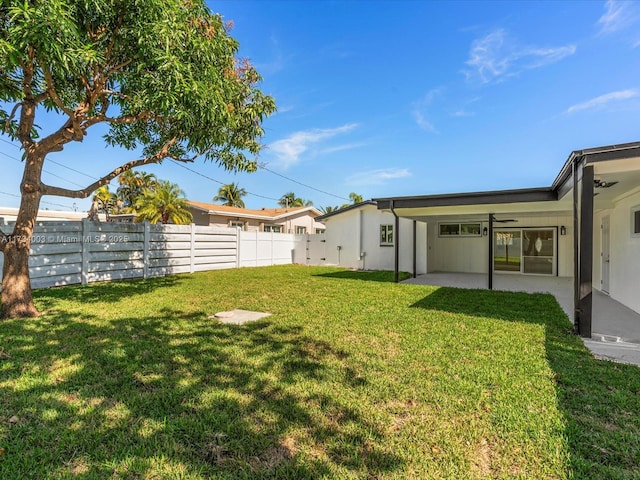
[(357, 233), (470, 254), (625, 254)]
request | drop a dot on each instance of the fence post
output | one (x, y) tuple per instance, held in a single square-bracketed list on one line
[(257, 249), (238, 247), (84, 241), (192, 261), (145, 252)]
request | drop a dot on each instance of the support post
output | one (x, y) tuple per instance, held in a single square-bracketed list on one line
[(586, 253), (415, 236), (396, 245), (490, 242), (576, 248)]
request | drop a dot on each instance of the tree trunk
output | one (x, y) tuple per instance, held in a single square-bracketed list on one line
[(17, 300)]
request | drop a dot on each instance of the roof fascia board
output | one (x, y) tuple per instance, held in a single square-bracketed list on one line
[(496, 197)]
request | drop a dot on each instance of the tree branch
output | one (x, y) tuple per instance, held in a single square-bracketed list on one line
[(52, 92), (85, 192)]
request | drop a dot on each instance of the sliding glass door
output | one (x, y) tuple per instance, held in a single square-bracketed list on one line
[(525, 250), (507, 251)]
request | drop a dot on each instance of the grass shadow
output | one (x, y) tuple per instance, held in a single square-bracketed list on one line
[(365, 275), (103, 291), (599, 400), (175, 394)]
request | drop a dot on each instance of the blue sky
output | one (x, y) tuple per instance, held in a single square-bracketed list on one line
[(410, 98)]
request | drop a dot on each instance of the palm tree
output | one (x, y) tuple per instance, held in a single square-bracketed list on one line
[(290, 200), (132, 184), (328, 209), (163, 204), (231, 195), (104, 201), (355, 198)]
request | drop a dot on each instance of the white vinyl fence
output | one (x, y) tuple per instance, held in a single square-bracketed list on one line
[(66, 253)]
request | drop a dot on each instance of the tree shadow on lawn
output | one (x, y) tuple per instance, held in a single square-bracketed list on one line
[(599, 400), (178, 395), (104, 291), (365, 275)]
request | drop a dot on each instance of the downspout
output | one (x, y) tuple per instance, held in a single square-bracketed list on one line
[(396, 244), (361, 252)]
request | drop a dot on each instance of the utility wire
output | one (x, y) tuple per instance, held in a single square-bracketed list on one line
[(45, 171), (218, 181), (49, 160), (300, 183), (42, 201)]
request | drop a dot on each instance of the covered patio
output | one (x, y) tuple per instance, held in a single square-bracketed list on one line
[(585, 226)]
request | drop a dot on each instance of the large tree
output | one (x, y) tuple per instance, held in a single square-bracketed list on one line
[(162, 74), (230, 194)]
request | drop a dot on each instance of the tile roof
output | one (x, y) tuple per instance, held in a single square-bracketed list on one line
[(263, 212)]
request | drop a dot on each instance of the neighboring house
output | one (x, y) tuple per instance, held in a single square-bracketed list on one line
[(362, 237), (297, 220), (586, 225), (8, 215)]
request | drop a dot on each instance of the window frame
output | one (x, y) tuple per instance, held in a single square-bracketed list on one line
[(385, 229), (300, 227), (635, 221), (270, 228), (237, 223), (460, 233)]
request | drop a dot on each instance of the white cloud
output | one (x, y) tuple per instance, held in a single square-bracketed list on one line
[(288, 150), (421, 107), (617, 16), (604, 100), (373, 177), (497, 56), (340, 148), (423, 123), (462, 113)]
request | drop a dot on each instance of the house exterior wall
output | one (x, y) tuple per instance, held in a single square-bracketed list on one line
[(303, 219), (357, 232), (471, 254), (624, 280)]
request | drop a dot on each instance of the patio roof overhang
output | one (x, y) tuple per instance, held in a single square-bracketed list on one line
[(573, 191)]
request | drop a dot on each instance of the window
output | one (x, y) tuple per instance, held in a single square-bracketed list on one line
[(273, 228), (460, 229), (319, 231), (386, 234), (236, 224), (301, 230), (635, 221)]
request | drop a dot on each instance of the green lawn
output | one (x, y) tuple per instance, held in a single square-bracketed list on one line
[(352, 376)]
